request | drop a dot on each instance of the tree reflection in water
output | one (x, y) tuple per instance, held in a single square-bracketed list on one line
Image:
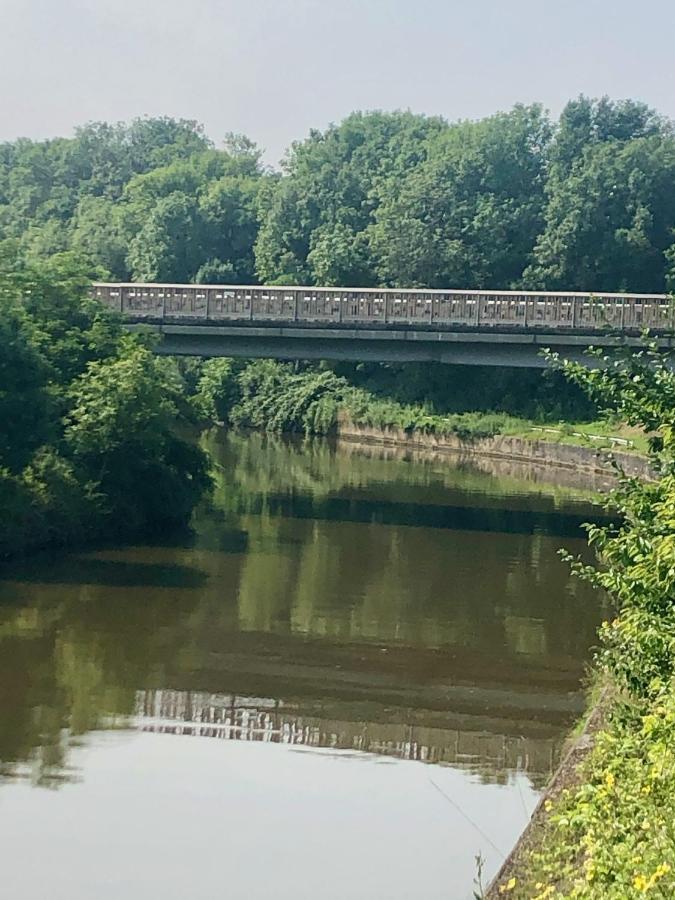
[(328, 597)]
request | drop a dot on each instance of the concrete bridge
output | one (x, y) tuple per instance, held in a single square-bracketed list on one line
[(500, 328)]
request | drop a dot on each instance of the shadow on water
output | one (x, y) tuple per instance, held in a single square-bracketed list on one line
[(464, 518), (83, 570)]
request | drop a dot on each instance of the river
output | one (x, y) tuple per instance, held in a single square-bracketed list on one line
[(349, 680)]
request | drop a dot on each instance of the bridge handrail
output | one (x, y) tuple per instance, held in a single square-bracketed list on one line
[(378, 291), (388, 307)]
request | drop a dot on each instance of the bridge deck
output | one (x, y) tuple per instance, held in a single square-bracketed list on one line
[(390, 309)]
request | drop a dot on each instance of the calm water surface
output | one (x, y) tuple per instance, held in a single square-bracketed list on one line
[(348, 681)]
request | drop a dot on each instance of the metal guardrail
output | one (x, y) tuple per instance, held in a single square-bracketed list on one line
[(377, 306)]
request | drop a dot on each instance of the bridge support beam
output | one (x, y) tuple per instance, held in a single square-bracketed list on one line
[(370, 345)]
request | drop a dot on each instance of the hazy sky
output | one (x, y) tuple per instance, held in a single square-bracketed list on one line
[(276, 68)]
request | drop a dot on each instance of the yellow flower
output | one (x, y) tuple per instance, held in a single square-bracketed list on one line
[(509, 886), (659, 872), (609, 780), (640, 883), (548, 891), (548, 806)]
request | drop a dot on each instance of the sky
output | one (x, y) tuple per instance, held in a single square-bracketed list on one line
[(274, 69)]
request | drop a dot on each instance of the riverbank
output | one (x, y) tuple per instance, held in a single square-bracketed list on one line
[(587, 460), (269, 396), (516, 867), (609, 834)]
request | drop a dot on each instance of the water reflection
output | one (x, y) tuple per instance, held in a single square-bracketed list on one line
[(330, 600), (235, 718)]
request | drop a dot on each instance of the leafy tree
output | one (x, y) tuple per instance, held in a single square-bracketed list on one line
[(331, 183), (217, 389), (88, 415), (469, 214), (585, 122), (166, 247), (340, 256), (27, 409), (610, 222), (194, 213), (121, 432), (98, 234)]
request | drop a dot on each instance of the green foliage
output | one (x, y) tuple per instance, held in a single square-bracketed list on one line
[(217, 389), (542, 396), (612, 836), (88, 442), (470, 212), (327, 199), (149, 200), (120, 433), (364, 409), (27, 408), (274, 397), (610, 221), (195, 217)]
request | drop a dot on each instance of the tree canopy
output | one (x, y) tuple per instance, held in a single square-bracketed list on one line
[(382, 198)]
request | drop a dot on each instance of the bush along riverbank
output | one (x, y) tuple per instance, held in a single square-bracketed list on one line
[(281, 397), (88, 417), (610, 833)]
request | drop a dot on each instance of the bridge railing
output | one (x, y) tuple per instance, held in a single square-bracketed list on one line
[(174, 303)]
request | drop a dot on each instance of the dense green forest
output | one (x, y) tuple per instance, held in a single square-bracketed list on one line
[(516, 199)]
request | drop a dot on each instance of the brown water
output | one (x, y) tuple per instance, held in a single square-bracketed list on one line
[(351, 679)]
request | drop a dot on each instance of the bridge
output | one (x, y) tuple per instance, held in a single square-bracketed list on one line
[(500, 328)]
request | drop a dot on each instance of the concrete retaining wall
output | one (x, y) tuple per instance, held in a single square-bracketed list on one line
[(536, 452)]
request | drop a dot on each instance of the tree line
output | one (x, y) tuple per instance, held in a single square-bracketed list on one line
[(396, 199)]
